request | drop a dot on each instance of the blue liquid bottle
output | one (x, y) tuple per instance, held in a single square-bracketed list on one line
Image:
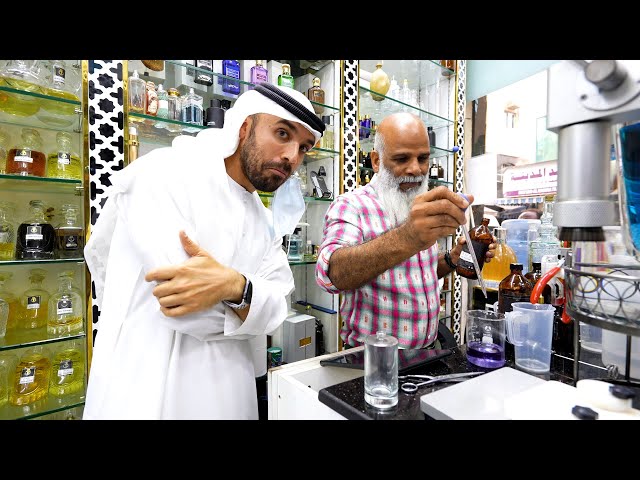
[(630, 194)]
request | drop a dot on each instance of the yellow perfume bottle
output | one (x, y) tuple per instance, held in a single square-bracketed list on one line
[(7, 233), (67, 370), (64, 161), (20, 75), (31, 377), (62, 82), (34, 303), (11, 301)]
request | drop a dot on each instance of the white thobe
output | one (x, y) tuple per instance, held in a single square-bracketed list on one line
[(198, 366)]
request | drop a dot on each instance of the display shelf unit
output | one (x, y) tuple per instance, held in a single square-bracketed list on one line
[(17, 190)]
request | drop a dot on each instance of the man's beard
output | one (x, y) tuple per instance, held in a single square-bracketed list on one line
[(395, 202), (252, 169)]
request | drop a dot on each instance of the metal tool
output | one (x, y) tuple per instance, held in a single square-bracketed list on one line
[(472, 251), (410, 387)]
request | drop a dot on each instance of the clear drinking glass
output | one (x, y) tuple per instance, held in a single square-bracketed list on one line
[(381, 370)]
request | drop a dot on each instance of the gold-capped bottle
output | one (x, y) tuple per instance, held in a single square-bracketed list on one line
[(285, 79), (67, 369), (64, 161), (65, 308), (31, 377), (316, 94), (481, 238)]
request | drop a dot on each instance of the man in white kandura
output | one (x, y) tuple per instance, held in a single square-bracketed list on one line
[(188, 265)]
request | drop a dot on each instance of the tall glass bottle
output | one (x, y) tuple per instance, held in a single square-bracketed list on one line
[(20, 75), (34, 303), (316, 94), (62, 82), (152, 99), (481, 238), (64, 161), (65, 308), (163, 106), (547, 242), (67, 369), (137, 93), (258, 74), (285, 79), (27, 157), (231, 68), (31, 377), (328, 139), (7, 233), (36, 236), (192, 108), (513, 288), (500, 265), (11, 302), (70, 233), (5, 144)]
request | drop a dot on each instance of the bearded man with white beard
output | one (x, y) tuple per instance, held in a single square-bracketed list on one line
[(380, 241)]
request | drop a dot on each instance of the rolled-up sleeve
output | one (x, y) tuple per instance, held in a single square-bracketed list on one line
[(342, 228)]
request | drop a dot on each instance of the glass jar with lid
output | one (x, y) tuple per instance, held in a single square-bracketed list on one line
[(7, 232), (20, 75), (35, 239), (27, 158), (5, 144), (70, 233), (65, 308), (30, 381), (34, 303), (61, 81), (64, 161), (67, 369)]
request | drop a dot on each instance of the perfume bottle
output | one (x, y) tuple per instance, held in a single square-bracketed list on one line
[(36, 237), (295, 246), (547, 242), (258, 74), (34, 303), (163, 106), (192, 108), (231, 68), (440, 170), (11, 302), (7, 364), (133, 143), (500, 265), (152, 99), (7, 233), (20, 75), (31, 377), (328, 140), (70, 234), (5, 141), (64, 162), (203, 78), (316, 94), (285, 79), (62, 82), (137, 93), (433, 170), (481, 238), (65, 308), (67, 369), (432, 136), (214, 115), (27, 158)]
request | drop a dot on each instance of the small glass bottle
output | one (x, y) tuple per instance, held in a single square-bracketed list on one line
[(134, 143), (192, 108), (328, 140), (12, 302), (440, 170), (503, 256), (20, 75), (231, 68), (295, 246), (62, 82), (152, 99), (547, 242), (204, 78), (316, 94), (175, 109), (432, 136), (67, 369), (34, 303), (137, 93), (7, 233), (381, 370), (65, 308), (70, 234), (433, 170), (64, 162), (513, 288), (258, 74), (26, 158), (5, 141), (285, 79), (36, 236), (31, 377), (481, 238), (163, 105)]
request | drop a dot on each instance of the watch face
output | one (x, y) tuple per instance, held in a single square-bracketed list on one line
[(247, 297)]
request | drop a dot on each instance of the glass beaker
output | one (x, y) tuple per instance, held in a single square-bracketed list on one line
[(485, 338), (381, 370)]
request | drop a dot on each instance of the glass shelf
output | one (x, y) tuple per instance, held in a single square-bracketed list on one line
[(446, 291), (31, 184), (4, 346), (306, 199), (305, 262), (45, 406), (41, 262), (425, 72), (378, 110), (149, 132), (39, 94), (317, 153), (366, 145), (440, 182)]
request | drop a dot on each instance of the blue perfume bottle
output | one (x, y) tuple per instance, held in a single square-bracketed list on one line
[(231, 68)]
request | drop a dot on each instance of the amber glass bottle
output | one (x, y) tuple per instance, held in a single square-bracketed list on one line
[(503, 256), (481, 238), (513, 288), (27, 157)]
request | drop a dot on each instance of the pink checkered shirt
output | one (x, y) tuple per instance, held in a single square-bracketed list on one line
[(403, 301)]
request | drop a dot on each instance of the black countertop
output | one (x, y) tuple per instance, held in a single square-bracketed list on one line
[(347, 398)]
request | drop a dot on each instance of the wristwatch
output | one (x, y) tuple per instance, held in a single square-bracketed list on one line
[(246, 296), (447, 259)]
